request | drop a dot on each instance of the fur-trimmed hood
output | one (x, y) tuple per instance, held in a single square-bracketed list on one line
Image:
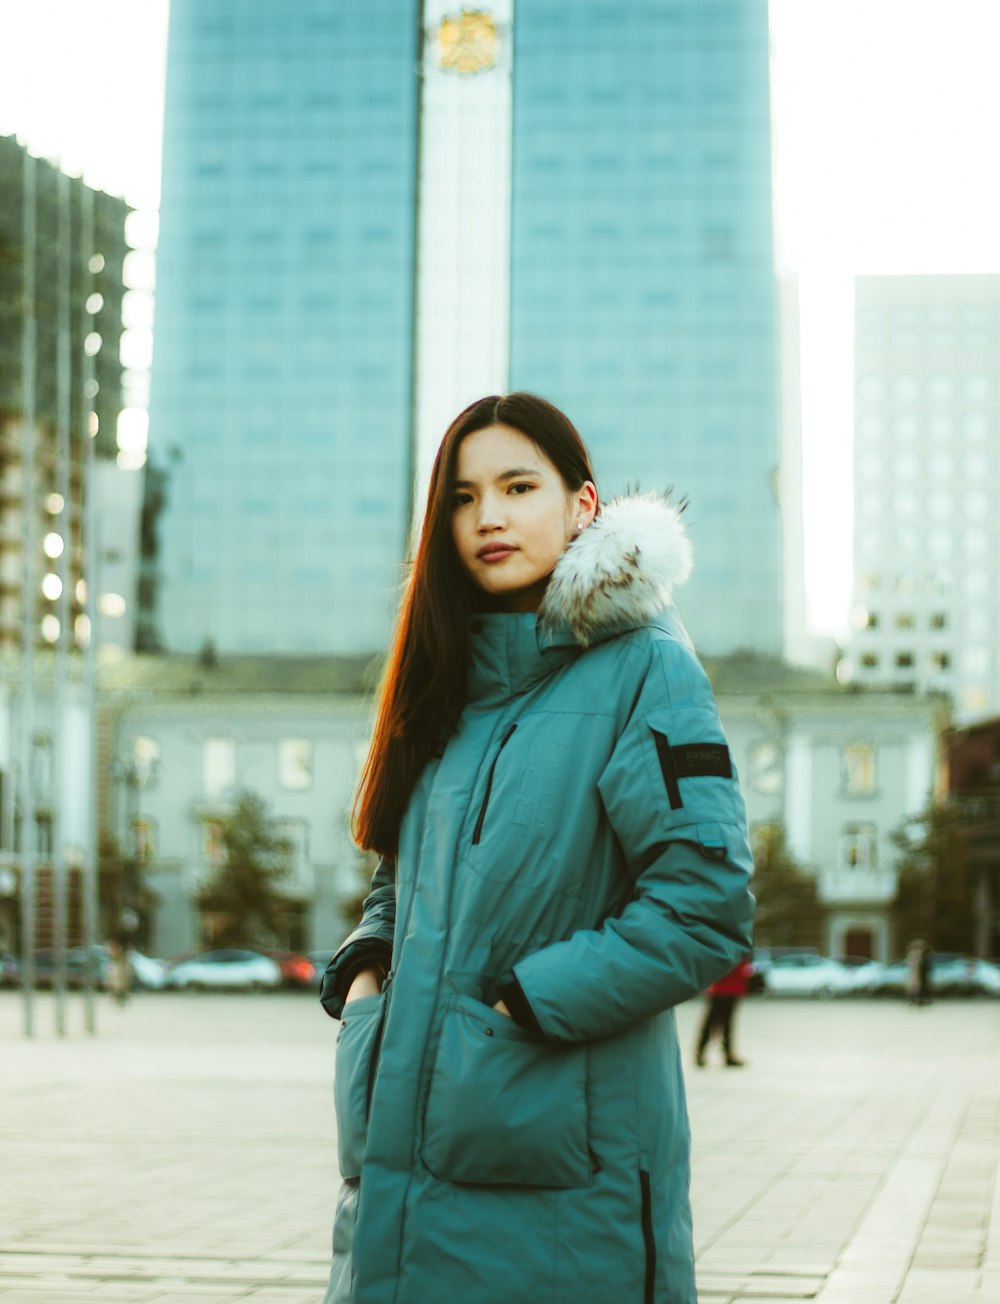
[(621, 571)]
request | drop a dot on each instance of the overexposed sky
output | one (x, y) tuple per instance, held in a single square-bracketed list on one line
[(885, 116)]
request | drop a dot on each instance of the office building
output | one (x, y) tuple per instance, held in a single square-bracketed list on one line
[(90, 226), (372, 215), (927, 487)]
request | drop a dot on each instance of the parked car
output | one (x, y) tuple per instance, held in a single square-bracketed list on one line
[(320, 959), (297, 970), (10, 969), (225, 968), (951, 974), (965, 976), (863, 971), (75, 968), (147, 971), (807, 975)]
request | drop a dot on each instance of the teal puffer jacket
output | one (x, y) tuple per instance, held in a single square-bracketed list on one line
[(581, 846)]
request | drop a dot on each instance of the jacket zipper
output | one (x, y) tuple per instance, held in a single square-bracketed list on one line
[(668, 769), (478, 830), (647, 1236)]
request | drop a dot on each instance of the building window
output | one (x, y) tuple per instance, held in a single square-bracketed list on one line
[(43, 758), (144, 834), (859, 768), (870, 660), (904, 620), (872, 621), (43, 833), (218, 765), (766, 770), (146, 760), (294, 834), (940, 661), (904, 660), (939, 620), (213, 842), (859, 846), (295, 761)]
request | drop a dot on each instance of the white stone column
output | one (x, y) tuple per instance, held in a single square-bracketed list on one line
[(919, 771), (463, 262), (798, 798)]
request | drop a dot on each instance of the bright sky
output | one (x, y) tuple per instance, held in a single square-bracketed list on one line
[(885, 115)]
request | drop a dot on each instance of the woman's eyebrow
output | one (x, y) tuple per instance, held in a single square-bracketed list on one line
[(504, 475)]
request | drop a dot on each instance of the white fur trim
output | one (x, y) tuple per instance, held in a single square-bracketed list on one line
[(621, 571)]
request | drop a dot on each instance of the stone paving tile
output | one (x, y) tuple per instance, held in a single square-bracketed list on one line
[(857, 1160)]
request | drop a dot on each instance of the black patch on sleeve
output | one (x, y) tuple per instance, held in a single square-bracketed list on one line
[(693, 760), (690, 761)]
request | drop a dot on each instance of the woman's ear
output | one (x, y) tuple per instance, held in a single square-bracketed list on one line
[(586, 505)]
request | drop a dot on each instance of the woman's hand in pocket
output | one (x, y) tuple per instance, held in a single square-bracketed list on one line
[(501, 1008), (368, 982)]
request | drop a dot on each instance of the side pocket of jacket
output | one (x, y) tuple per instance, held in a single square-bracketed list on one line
[(506, 1107), (353, 1064)]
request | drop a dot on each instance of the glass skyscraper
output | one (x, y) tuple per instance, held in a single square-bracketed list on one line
[(373, 214), (281, 391), (642, 283)]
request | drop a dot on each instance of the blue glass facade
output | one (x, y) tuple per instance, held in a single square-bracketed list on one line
[(642, 290), (282, 387)]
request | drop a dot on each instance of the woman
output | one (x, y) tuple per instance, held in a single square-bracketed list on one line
[(563, 859)]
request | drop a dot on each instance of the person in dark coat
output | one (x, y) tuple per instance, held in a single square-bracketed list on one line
[(720, 1010), (564, 859)]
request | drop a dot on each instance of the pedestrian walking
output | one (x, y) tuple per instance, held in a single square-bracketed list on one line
[(720, 1010), (119, 972), (918, 977), (564, 859)]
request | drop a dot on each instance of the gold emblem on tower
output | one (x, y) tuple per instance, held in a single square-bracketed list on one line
[(468, 43)]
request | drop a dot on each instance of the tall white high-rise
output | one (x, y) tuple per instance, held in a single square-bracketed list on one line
[(927, 487)]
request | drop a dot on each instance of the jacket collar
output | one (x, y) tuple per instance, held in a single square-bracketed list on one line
[(510, 653), (618, 575)]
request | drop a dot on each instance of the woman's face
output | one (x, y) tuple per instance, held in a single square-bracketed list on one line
[(513, 516)]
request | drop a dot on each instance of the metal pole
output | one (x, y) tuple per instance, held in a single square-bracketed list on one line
[(29, 533), (90, 867), (60, 770)]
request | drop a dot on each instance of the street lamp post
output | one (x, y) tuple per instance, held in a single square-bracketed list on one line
[(127, 914)]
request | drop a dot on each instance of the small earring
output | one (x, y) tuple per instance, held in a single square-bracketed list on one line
[(579, 525)]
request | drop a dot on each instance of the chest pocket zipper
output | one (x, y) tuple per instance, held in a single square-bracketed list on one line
[(477, 832)]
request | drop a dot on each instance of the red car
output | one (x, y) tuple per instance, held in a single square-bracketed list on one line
[(297, 970)]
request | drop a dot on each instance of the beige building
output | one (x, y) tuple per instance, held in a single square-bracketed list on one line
[(840, 769)]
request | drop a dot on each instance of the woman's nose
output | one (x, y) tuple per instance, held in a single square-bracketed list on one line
[(491, 516)]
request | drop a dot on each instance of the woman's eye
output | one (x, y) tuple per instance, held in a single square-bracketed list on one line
[(521, 488), (461, 499)]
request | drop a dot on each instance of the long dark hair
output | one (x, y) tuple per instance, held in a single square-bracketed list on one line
[(424, 686)]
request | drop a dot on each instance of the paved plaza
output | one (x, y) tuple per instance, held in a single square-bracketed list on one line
[(187, 1153)]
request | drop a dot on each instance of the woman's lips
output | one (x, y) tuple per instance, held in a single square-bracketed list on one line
[(494, 552)]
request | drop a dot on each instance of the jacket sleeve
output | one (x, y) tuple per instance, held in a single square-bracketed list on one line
[(672, 796), (369, 944)]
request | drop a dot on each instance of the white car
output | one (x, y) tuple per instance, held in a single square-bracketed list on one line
[(147, 971), (807, 975), (225, 968)]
